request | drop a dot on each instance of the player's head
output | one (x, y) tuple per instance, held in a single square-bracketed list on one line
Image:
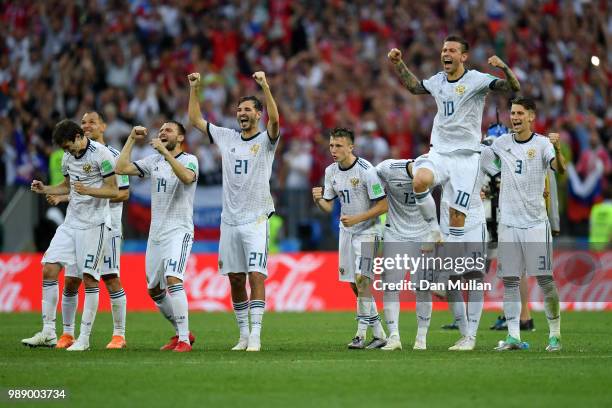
[(172, 133), (522, 114), (93, 125), (341, 142), (249, 112), (70, 137), (454, 53)]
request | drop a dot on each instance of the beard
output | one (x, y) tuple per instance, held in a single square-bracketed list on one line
[(170, 146)]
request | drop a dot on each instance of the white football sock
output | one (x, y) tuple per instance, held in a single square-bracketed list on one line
[(377, 327), (50, 294), (457, 305), (551, 304), (423, 312), (427, 206), (241, 310), (512, 306), (178, 297), (256, 308), (392, 309), (164, 304), (363, 313), (474, 308), (118, 306), (90, 308), (70, 302)]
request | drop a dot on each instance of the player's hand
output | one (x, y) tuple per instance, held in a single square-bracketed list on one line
[(158, 145), (194, 79), (54, 199), (80, 188), (395, 56), (138, 132), (497, 62), (37, 187), (555, 139), (349, 220), (260, 78), (317, 193)]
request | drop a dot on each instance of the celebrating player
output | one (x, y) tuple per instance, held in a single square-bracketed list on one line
[(79, 242), (93, 125), (525, 240), (453, 158), (173, 176), (247, 158), (404, 224), (362, 200)]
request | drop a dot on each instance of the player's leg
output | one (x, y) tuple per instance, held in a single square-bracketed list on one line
[(368, 249), (232, 263), (90, 309), (257, 306), (110, 276), (346, 273), (60, 252), (391, 298), (429, 170), (178, 249), (526, 319), (70, 301), (462, 188)]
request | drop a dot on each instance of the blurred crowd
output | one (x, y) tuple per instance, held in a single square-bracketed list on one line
[(326, 64)]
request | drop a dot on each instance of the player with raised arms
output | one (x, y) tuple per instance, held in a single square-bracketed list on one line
[(525, 239), (173, 175), (453, 157), (78, 243), (247, 159), (362, 199)]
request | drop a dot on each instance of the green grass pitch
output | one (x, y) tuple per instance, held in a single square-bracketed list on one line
[(305, 362)]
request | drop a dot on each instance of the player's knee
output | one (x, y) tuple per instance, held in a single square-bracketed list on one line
[(456, 218), (423, 179), (362, 282), (256, 278), (112, 282), (51, 271), (511, 281), (89, 281), (237, 280), (173, 280), (154, 292), (71, 284)]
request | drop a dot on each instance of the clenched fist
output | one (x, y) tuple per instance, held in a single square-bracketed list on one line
[(497, 62), (317, 193), (260, 78), (555, 139), (37, 187), (194, 79), (395, 56), (138, 132), (158, 145)]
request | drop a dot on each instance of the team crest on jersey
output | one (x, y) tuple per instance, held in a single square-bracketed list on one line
[(254, 149), (354, 181), (87, 168), (531, 153), (460, 89)]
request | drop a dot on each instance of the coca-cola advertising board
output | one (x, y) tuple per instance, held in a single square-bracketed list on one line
[(303, 281)]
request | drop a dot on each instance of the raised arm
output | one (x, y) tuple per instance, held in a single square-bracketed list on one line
[(273, 121), (187, 176), (323, 204), (504, 85), (558, 163), (124, 164), (410, 81), (195, 115)]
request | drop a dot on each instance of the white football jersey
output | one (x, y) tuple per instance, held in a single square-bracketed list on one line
[(403, 217), (458, 122), (123, 183), (96, 163), (247, 168), (357, 188), (171, 199), (523, 170)]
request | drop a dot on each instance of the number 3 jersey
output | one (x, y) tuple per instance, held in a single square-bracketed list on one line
[(171, 199), (523, 168), (357, 187), (247, 168), (460, 103)]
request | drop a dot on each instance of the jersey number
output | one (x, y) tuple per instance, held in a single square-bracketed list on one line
[(161, 183), (409, 198), (263, 258), (346, 196), (241, 167), (519, 167), (462, 199), (449, 108)]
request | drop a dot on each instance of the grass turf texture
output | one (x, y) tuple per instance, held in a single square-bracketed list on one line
[(305, 362)]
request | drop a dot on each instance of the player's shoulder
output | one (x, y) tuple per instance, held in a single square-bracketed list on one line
[(332, 168), (184, 156), (541, 139), (364, 164), (114, 151)]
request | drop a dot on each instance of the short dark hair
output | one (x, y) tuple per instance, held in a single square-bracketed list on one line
[(343, 132), (66, 131), (100, 115), (256, 102), (455, 38), (179, 126), (525, 102)]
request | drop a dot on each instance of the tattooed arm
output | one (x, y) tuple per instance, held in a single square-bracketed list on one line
[(508, 84), (410, 81)]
